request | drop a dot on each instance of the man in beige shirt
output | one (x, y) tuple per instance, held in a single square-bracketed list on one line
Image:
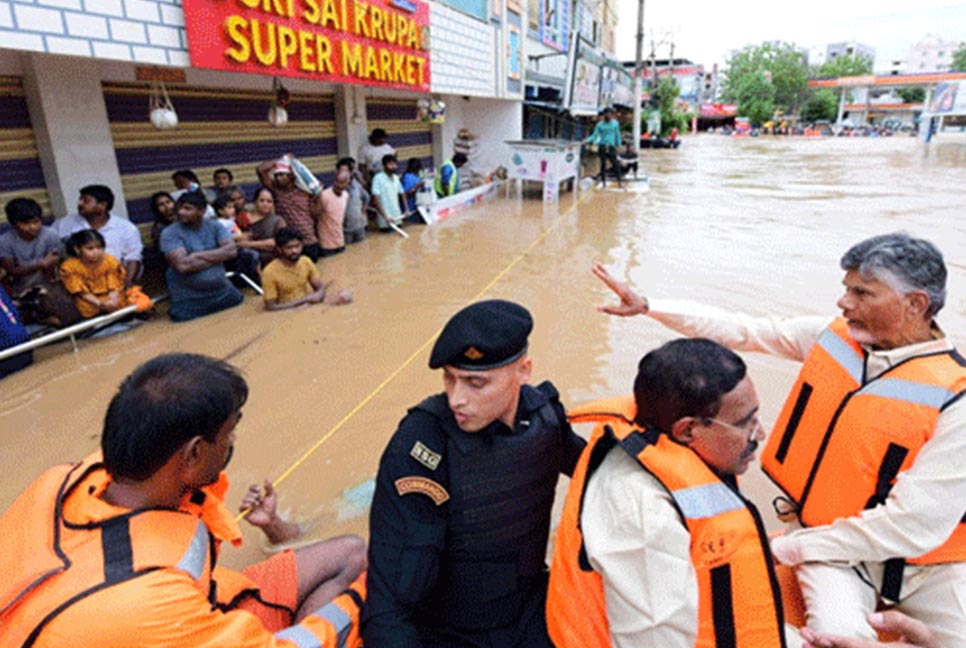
[(894, 286)]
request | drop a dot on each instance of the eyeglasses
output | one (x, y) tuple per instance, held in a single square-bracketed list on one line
[(750, 428)]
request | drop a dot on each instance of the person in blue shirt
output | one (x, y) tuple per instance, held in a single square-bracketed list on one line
[(412, 182), (607, 137), (448, 180)]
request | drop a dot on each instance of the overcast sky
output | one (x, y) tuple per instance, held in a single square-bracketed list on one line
[(705, 31)]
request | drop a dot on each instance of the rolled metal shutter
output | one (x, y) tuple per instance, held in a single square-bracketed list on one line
[(21, 175), (407, 134), (217, 127)]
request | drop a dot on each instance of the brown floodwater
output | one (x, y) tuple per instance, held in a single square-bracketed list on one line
[(756, 225)]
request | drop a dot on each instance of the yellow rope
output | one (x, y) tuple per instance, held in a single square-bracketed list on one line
[(365, 401)]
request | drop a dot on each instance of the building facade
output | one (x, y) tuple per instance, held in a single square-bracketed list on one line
[(849, 48), (78, 78), (932, 54)]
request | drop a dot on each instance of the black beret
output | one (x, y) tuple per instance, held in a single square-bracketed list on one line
[(484, 335)]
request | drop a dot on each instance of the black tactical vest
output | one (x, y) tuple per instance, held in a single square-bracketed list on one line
[(501, 493)]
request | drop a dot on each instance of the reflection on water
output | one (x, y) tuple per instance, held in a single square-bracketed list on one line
[(756, 225)]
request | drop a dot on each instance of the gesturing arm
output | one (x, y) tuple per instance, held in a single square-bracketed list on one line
[(787, 338)]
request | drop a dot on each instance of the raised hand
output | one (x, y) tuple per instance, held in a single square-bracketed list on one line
[(631, 303)]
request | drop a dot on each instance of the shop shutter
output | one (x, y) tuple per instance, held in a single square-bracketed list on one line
[(217, 127), (407, 134), (21, 175)]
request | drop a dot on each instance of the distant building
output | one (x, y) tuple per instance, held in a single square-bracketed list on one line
[(931, 54), (697, 85), (849, 48)]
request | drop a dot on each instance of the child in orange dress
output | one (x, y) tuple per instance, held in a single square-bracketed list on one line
[(93, 277)]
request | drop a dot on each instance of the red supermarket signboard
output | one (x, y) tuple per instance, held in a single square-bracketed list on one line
[(365, 42)]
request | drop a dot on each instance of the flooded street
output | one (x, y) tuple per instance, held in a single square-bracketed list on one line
[(754, 225)]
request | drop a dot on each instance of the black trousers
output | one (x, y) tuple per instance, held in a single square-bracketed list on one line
[(609, 154)]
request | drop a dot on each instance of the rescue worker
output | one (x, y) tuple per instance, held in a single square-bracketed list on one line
[(657, 546), (447, 181), (122, 550), (868, 448), (461, 514)]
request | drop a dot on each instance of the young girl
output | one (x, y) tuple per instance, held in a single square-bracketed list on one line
[(247, 261), (227, 213), (93, 277)]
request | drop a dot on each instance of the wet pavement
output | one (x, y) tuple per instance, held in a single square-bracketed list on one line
[(755, 225)]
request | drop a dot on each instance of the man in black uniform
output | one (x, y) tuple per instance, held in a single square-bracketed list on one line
[(459, 523)]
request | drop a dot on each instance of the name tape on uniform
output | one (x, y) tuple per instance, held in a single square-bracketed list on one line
[(415, 484)]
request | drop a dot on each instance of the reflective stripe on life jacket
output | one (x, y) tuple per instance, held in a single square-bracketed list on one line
[(70, 562), (841, 439), (739, 603), (335, 625)]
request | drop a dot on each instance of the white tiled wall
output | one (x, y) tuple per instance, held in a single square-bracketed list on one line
[(461, 50), (145, 31)]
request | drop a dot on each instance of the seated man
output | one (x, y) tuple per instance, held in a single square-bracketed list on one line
[(292, 280), (122, 238), (30, 253), (196, 249), (121, 549), (657, 546)]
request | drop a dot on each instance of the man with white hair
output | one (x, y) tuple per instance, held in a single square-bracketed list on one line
[(869, 446)]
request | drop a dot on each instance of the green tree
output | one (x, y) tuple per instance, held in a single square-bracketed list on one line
[(912, 95), (782, 65), (844, 66), (755, 95), (959, 60), (666, 94), (823, 104)]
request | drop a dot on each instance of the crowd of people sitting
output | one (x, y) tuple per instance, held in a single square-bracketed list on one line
[(204, 240)]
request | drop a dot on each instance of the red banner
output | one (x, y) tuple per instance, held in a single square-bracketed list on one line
[(365, 42)]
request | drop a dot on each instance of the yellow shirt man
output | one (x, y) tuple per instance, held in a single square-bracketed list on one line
[(284, 282)]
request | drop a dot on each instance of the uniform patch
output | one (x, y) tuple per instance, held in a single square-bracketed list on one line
[(425, 456), (416, 484)]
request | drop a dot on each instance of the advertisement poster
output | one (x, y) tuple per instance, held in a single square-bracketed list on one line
[(582, 95), (949, 98), (514, 59), (363, 42)]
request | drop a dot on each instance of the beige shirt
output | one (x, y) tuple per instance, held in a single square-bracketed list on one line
[(927, 501), (636, 541)]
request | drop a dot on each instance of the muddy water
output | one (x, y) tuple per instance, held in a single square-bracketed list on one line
[(756, 225)]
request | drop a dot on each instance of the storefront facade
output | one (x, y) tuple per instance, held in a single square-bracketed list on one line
[(76, 78)]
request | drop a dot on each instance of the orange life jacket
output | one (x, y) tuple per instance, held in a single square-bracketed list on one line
[(50, 562), (841, 439), (739, 601)]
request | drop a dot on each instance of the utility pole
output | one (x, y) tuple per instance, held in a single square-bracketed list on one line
[(638, 76)]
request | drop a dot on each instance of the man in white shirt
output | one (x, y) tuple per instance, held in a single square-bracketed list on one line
[(372, 152), (657, 546), (122, 237), (913, 491)]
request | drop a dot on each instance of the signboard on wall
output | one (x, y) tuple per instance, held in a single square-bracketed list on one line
[(582, 90), (616, 86), (364, 42), (949, 99), (513, 53)]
